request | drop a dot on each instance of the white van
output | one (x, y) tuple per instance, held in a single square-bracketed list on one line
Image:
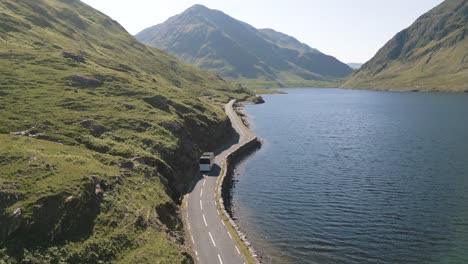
[(207, 161)]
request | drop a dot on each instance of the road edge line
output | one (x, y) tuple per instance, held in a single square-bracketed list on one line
[(239, 238)]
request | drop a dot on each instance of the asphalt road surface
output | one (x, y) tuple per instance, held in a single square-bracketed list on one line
[(210, 238)]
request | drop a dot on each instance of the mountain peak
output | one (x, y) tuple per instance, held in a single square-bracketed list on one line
[(215, 41), (197, 8)]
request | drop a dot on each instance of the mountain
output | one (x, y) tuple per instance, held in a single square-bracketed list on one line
[(235, 50), (355, 65), (100, 136), (285, 41), (430, 55)]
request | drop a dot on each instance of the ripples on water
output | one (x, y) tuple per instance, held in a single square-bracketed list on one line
[(357, 177)]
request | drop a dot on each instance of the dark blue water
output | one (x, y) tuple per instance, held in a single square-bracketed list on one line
[(357, 177)]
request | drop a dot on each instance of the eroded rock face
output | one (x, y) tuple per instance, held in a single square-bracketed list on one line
[(141, 222), (159, 102), (11, 224), (95, 128), (74, 56), (82, 81), (259, 100), (174, 127), (183, 161), (7, 199), (167, 214), (129, 106), (56, 217)]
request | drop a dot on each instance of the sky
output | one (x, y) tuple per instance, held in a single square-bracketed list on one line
[(350, 30)]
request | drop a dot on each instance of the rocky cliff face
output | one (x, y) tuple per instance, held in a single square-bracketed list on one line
[(233, 49), (429, 55), (100, 137)]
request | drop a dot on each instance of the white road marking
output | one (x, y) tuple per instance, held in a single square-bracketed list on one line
[(188, 226), (241, 130), (204, 220), (212, 240)]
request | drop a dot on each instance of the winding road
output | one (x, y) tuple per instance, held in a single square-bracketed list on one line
[(210, 239)]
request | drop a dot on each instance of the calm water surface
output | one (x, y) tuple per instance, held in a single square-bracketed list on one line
[(357, 177)]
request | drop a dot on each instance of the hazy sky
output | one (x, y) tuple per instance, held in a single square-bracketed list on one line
[(350, 30)]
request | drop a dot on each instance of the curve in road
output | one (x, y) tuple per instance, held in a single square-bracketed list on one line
[(211, 240)]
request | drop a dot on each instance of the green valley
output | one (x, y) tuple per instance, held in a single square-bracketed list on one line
[(101, 131)]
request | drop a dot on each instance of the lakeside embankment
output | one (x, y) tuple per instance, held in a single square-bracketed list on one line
[(226, 180), (205, 215)]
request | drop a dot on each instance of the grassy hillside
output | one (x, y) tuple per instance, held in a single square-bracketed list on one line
[(430, 55), (99, 137), (235, 50)]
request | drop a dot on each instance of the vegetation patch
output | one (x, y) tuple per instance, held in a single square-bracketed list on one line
[(430, 55), (90, 170)]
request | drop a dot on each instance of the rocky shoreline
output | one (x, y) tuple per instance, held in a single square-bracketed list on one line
[(224, 192)]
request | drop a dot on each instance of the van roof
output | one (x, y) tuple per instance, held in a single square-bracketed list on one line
[(207, 154)]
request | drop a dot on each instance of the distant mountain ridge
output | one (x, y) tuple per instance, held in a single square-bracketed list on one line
[(235, 50), (430, 55), (355, 65)]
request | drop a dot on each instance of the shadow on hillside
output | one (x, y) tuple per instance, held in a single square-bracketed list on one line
[(216, 170), (234, 140)]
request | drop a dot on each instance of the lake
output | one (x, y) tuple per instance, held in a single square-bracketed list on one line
[(348, 176)]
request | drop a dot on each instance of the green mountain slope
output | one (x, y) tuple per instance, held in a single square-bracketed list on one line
[(430, 55), (99, 137), (285, 41), (235, 50)]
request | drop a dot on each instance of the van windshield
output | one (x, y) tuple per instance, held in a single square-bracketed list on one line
[(205, 161)]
